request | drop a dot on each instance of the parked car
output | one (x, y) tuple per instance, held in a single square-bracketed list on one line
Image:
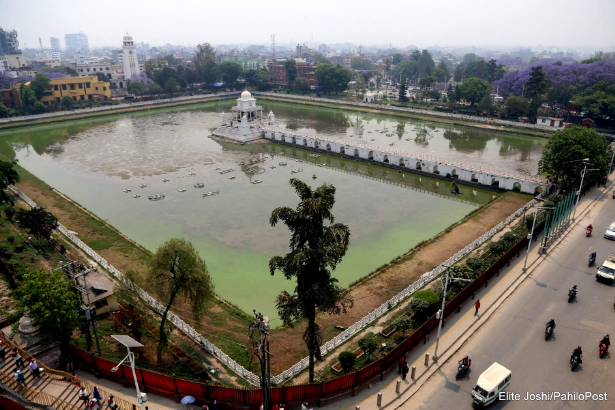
[(610, 231)]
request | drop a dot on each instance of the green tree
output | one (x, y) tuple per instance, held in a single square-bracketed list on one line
[(537, 84), (470, 58), (49, 298), (369, 345), (444, 67), (302, 85), (154, 89), (403, 324), (177, 270), (402, 97), (103, 76), (250, 77), (396, 58), (361, 64), (67, 102), (406, 69), (291, 72), (6, 112), (316, 248), (204, 62), (426, 63), (475, 263), (40, 84), (574, 144), (28, 97), (474, 89), (496, 248), (439, 74), (332, 79), (421, 309), (38, 108), (229, 72), (262, 79), (38, 222), (459, 72), (515, 106), (427, 82), (598, 100), (347, 360), (171, 86), (486, 103), (320, 59), (150, 67), (8, 176), (136, 88)]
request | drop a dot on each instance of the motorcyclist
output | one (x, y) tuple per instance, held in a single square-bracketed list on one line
[(590, 227), (573, 289), (465, 362), (551, 324), (577, 353), (606, 340), (592, 255)]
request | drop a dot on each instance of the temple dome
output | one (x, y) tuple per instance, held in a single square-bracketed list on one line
[(246, 95), (127, 37)]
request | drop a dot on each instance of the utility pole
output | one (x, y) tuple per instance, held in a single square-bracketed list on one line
[(260, 348), (90, 313)]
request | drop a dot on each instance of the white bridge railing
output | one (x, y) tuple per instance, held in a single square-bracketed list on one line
[(324, 349), (416, 155)]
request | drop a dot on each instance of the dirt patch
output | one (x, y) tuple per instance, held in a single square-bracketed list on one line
[(372, 293)]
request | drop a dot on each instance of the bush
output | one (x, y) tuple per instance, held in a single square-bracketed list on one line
[(369, 345), (11, 239), (496, 248), (403, 324), (6, 251), (428, 296), (510, 238), (9, 212), (347, 360), (421, 309), (476, 264), (529, 221)]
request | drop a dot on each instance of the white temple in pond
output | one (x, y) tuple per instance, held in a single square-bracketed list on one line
[(244, 124)]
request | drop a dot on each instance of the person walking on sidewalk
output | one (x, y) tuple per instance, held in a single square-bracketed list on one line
[(33, 367), (476, 305), (400, 364), (404, 371), (19, 376), (17, 357)]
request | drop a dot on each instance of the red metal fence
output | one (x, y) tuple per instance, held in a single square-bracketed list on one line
[(165, 385)]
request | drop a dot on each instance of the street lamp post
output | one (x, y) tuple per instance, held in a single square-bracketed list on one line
[(441, 313), (531, 234), (581, 187), (130, 342)]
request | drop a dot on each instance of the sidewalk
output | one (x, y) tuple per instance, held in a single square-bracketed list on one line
[(457, 328)]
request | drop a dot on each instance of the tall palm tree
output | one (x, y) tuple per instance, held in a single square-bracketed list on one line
[(315, 250)]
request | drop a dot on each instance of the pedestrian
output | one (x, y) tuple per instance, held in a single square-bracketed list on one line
[(97, 395), (74, 379), (404, 371), (33, 367), (476, 305), (205, 407), (215, 405), (134, 407), (20, 377), (17, 357), (400, 364), (69, 363), (83, 395), (111, 403)]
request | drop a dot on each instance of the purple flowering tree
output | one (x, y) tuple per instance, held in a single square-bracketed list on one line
[(580, 75)]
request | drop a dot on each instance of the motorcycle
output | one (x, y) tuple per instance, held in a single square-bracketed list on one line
[(461, 371), (588, 232), (603, 349), (574, 361), (571, 295), (592, 259), (548, 332)]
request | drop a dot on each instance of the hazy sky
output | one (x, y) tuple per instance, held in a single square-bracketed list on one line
[(401, 22)]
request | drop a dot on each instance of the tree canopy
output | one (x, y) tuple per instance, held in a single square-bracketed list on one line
[(474, 89), (317, 246), (598, 100), (38, 221), (8, 176), (40, 84), (561, 158), (49, 298), (228, 72), (332, 79), (361, 64), (177, 269), (291, 71)]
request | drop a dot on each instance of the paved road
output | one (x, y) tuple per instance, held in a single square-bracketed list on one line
[(514, 335)]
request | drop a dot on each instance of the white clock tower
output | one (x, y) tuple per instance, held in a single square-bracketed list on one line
[(131, 64)]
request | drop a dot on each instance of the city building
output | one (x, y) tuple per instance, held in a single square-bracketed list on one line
[(55, 43), (48, 53), (101, 292), (86, 70), (277, 72), (245, 62), (8, 42), (118, 56), (348, 59), (131, 63), (16, 60), (78, 88), (323, 49), (4, 63), (550, 121), (77, 42), (45, 62), (244, 125)]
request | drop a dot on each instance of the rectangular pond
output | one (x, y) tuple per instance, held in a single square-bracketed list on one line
[(169, 151)]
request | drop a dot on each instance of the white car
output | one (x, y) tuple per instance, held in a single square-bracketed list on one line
[(610, 231)]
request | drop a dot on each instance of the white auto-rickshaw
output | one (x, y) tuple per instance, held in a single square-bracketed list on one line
[(493, 380)]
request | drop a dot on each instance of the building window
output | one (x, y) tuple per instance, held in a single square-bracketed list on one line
[(96, 88), (104, 88), (58, 99), (90, 97), (72, 86), (55, 88), (87, 85), (80, 86), (81, 97), (64, 86)]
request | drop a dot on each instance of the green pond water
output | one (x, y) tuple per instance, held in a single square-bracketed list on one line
[(388, 212)]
